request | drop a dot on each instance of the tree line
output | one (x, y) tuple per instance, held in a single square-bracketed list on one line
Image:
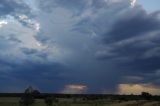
[(30, 95)]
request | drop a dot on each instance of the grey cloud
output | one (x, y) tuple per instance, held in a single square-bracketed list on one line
[(29, 72), (112, 25), (34, 53), (133, 36), (11, 6), (76, 7), (133, 23), (106, 30), (14, 39), (132, 45), (123, 33), (28, 51), (7, 43)]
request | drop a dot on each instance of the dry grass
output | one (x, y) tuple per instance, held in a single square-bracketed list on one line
[(13, 101)]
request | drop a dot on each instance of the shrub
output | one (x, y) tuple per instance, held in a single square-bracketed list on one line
[(49, 101), (27, 99)]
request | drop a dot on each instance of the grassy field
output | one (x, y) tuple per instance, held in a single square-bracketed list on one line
[(13, 101)]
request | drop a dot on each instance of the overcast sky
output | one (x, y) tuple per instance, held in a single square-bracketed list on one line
[(80, 46)]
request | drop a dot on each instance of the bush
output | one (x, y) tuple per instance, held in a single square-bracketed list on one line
[(49, 101), (146, 95), (27, 99)]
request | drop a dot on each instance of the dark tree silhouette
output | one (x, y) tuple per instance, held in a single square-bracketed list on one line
[(27, 99), (36, 93), (146, 95)]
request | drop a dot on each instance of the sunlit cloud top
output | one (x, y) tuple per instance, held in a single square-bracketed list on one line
[(133, 3), (3, 22), (74, 89)]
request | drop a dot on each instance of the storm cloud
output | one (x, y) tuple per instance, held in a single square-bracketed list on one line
[(99, 44)]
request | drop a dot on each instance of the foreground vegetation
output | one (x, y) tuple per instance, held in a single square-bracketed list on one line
[(34, 98), (13, 101)]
